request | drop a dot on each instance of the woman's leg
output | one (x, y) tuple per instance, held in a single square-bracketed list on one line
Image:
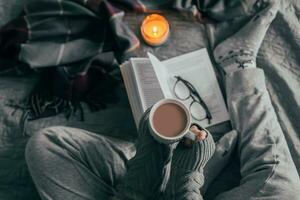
[(73, 164), (267, 169), (68, 163)]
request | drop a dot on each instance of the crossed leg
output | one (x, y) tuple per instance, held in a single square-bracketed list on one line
[(267, 168), (68, 163), (73, 164)]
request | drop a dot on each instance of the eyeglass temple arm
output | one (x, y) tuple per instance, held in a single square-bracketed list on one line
[(209, 116)]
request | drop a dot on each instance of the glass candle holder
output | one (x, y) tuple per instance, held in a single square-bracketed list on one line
[(155, 30)]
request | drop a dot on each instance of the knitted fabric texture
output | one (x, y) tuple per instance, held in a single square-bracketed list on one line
[(240, 50), (187, 170), (147, 168)]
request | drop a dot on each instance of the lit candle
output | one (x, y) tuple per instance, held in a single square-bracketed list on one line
[(155, 30)]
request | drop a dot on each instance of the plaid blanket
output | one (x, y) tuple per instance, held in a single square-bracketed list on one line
[(77, 45)]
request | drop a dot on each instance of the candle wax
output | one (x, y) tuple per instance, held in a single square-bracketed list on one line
[(155, 29)]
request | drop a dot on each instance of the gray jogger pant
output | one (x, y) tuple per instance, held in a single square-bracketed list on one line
[(266, 165), (73, 164)]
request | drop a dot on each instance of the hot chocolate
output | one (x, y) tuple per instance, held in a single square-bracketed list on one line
[(169, 119)]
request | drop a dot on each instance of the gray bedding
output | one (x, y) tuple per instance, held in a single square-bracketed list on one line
[(278, 57)]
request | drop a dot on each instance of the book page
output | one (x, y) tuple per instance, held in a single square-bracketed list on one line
[(150, 81), (147, 82), (196, 68), (161, 73), (132, 91)]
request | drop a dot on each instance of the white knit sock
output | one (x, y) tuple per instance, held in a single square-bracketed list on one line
[(240, 50)]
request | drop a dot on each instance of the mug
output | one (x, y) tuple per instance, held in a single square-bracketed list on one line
[(184, 133)]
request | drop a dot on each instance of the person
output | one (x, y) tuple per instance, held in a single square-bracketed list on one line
[(67, 163)]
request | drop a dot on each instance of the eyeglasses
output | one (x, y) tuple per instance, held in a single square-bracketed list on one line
[(184, 90)]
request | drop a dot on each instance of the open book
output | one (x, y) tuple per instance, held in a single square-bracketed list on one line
[(148, 80)]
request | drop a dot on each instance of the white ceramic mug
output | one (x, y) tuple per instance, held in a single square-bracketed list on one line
[(184, 133)]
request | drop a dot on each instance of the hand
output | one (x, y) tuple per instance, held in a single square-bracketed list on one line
[(187, 166), (149, 170), (200, 135)]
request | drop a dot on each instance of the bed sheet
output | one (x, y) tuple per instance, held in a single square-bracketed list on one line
[(278, 57), (116, 120)]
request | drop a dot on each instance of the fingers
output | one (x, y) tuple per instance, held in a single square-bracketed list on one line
[(200, 134)]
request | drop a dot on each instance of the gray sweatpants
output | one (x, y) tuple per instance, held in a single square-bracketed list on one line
[(73, 164)]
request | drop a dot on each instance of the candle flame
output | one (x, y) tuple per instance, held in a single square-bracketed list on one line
[(154, 30)]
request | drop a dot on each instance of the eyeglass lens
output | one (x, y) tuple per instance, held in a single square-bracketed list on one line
[(182, 92)]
